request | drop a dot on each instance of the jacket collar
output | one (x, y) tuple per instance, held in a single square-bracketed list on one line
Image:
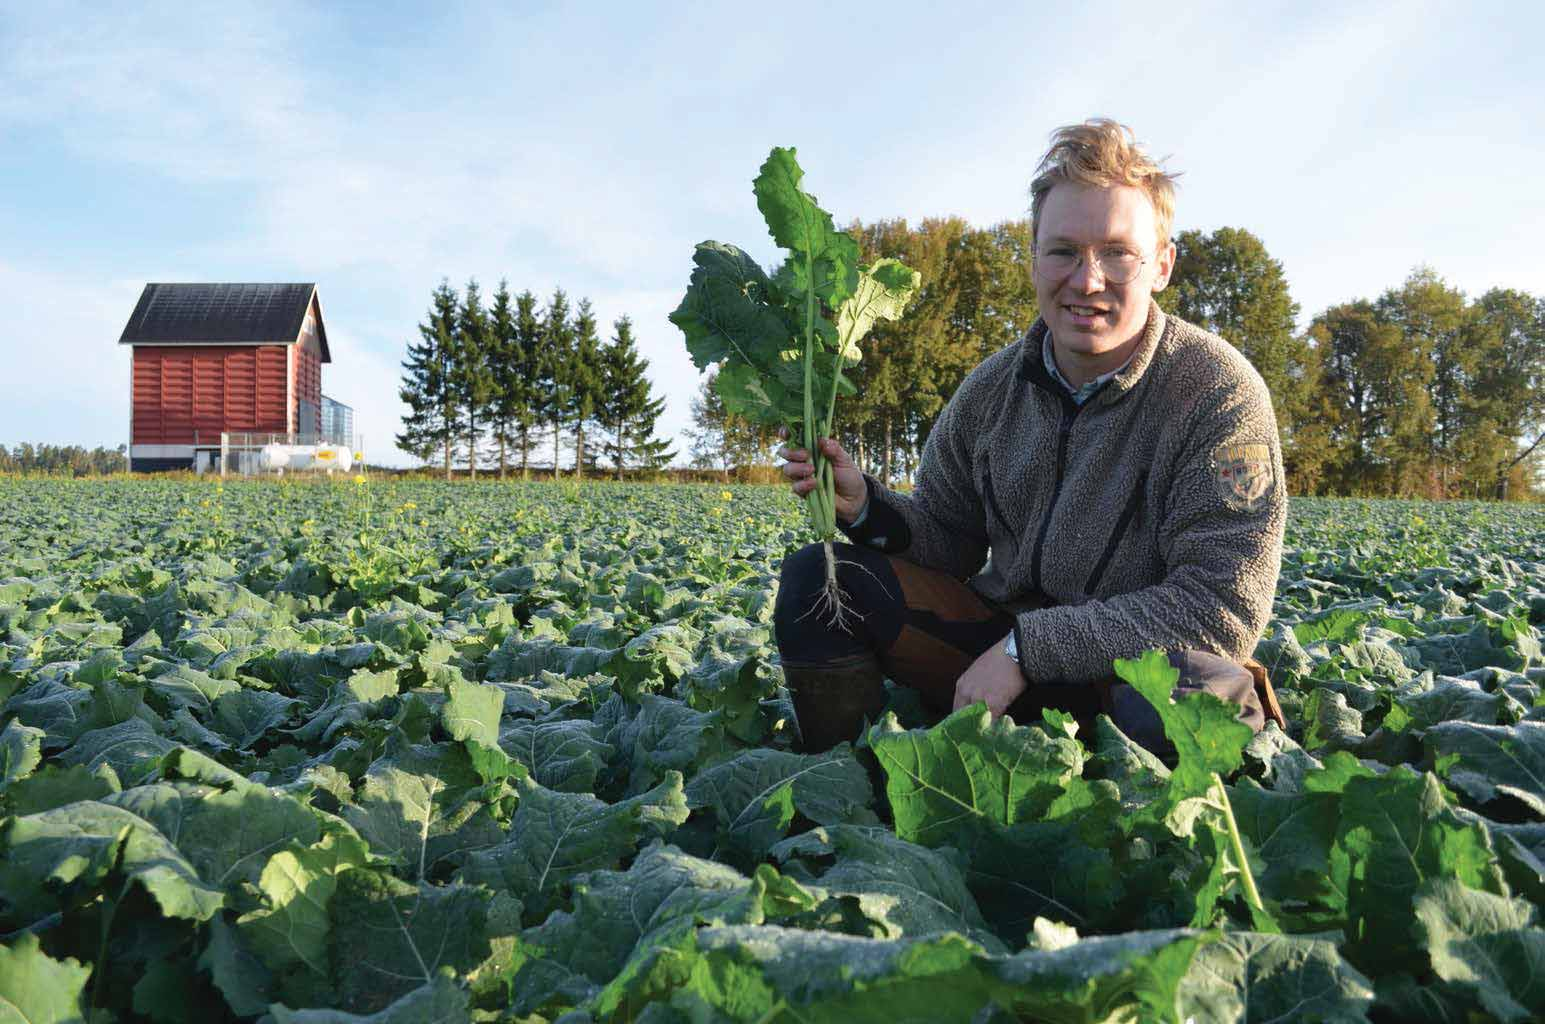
[(1033, 368)]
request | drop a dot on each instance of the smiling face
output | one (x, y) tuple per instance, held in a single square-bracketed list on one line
[(1095, 323)]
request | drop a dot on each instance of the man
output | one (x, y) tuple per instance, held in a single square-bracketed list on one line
[(1121, 466)]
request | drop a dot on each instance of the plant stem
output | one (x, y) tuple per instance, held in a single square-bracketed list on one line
[(1252, 895)]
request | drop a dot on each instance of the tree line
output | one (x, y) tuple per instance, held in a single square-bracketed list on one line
[(68, 459), (492, 385), (1420, 392)]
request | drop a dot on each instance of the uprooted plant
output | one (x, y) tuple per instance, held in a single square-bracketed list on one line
[(782, 342)]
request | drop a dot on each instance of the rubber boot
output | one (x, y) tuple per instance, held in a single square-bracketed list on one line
[(832, 700)]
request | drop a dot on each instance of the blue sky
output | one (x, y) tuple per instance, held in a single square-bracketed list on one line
[(377, 148)]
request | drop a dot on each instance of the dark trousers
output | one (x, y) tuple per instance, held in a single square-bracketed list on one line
[(923, 629)]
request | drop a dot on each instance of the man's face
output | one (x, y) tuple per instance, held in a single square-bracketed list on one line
[(1096, 323)]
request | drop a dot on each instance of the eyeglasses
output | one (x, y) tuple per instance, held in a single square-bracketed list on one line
[(1117, 264)]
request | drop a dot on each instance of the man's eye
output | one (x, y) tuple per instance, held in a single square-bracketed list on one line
[(1118, 254), (1061, 252)]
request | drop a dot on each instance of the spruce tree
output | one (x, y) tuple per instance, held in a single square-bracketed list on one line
[(503, 357), (472, 381), (528, 338), (556, 368), (626, 410), (427, 388), (584, 379)]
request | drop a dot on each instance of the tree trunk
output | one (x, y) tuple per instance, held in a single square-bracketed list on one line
[(579, 451), (885, 456), (447, 455), (619, 428), (503, 440), (557, 436), (472, 446), (525, 453)]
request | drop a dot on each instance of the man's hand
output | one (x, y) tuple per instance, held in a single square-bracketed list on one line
[(994, 677), (848, 482)]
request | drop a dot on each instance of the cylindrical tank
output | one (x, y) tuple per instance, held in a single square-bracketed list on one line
[(274, 456), (333, 456)]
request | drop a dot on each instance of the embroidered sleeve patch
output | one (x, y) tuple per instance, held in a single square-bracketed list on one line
[(1243, 475)]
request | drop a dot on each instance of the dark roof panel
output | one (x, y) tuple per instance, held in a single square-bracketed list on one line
[(221, 314)]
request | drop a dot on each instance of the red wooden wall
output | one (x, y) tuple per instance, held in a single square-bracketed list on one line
[(308, 385), (180, 390)]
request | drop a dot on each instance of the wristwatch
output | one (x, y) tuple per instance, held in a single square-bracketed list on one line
[(1011, 645)]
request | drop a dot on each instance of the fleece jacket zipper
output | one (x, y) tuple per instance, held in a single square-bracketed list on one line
[(1128, 513), (1070, 410)]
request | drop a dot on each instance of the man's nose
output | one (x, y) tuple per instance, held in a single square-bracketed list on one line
[(1087, 276)]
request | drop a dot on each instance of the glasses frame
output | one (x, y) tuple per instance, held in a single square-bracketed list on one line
[(1087, 254)]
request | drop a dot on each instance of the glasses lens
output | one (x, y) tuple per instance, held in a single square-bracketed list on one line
[(1057, 262), (1119, 265)]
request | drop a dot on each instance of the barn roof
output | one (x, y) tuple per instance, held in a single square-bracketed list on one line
[(222, 314)]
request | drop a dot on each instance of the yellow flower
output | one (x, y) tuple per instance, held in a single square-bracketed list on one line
[(408, 505), (359, 478), (726, 495)]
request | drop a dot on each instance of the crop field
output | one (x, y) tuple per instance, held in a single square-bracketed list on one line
[(411, 752)]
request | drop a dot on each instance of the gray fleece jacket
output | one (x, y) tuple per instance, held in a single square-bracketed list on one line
[(1150, 516)]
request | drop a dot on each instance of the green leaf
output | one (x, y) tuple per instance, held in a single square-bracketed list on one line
[(1487, 943), (914, 890), (1093, 979), (725, 314), (1486, 762), (240, 976), (824, 260), (1253, 977), (440, 1001), (970, 770), (21, 750), (555, 836), (58, 856), (389, 937), (883, 291), (1206, 731), (562, 754), (37, 989), (755, 795), (472, 712), (245, 716), (293, 927), (1397, 832)]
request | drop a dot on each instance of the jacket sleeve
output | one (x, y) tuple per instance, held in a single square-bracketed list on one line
[(1221, 548), (942, 524)]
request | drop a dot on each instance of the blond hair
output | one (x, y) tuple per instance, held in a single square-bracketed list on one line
[(1103, 154)]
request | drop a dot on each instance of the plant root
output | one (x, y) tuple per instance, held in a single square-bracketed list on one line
[(832, 603)]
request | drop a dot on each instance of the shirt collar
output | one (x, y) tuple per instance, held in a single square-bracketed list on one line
[(1087, 390)]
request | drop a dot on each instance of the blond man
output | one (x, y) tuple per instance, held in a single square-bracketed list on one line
[(1122, 468)]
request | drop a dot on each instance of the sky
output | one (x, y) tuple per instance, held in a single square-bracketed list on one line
[(377, 149)]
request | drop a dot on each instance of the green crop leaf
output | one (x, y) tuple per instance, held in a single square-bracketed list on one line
[(389, 937), (471, 712), (298, 885), (57, 857), (37, 989), (883, 291), (824, 260), (424, 811), (755, 795), (970, 771), (1248, 976), (21, 750), (1487, 762), (566, 755), (439, 1001), (1206, 732), (1095, 979), (617, 912), (1397, 832), (914, 890), (1488, 943), (556, 836)]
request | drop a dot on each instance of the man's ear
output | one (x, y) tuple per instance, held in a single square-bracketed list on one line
[(1166, 267)]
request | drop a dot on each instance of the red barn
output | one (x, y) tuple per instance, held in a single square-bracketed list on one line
[(222, 358)]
